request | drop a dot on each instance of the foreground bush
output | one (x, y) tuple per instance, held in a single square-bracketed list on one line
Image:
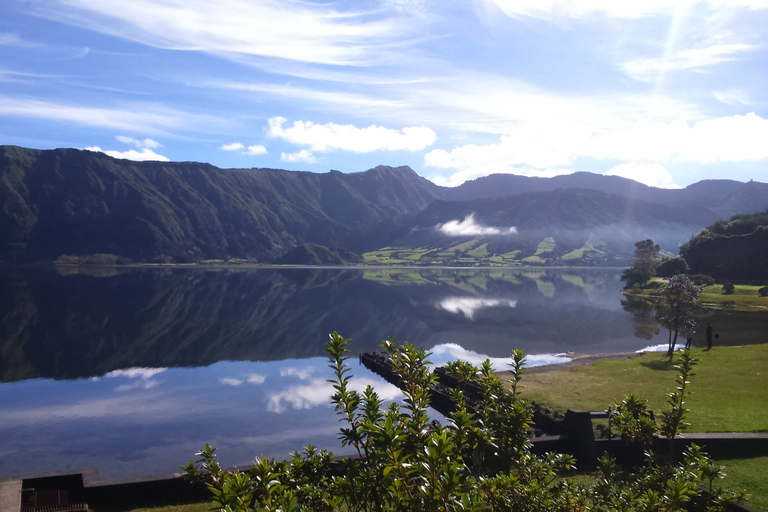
[(477, 461)]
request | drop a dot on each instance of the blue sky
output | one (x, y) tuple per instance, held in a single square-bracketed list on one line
[(668, 92)]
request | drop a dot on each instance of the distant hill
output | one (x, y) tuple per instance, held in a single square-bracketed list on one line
[(565, 226), (720, 198), (75, 202), (67, 201), (736, 249)]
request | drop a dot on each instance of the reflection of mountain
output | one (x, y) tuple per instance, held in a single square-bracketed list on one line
[(79, 326)]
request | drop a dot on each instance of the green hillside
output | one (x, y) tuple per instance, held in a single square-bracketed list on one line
[(74, 202), (736, 249)]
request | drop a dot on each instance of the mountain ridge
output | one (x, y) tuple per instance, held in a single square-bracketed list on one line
[(69, 201)]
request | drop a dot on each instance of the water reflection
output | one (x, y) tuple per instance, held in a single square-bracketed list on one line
[(469, 305), (132, 372), (74, 326)]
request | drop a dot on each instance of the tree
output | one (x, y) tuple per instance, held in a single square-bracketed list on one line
[(644, 263), (676, 306), (672, 266), (478, 460)]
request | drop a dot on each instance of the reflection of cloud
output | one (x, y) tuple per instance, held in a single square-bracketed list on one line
[(143, 376), (655, 348), (253, 378), (132, 373), (132, 408), (469, 305), (303, 373), (442, 354), (139, 384), (470, 227), (256, 378), (301, 397), (319, 392)]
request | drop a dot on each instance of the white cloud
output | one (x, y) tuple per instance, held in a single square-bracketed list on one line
[(146, 143), (611, 8), (230, 381), (235, 146), (726, 139), (649, 69), (651, 174), (147, 118), (145, 155), (256, 150), (733, 97), (468, 306), (301, 156), (470, 227), (300, 31), (331, 136)]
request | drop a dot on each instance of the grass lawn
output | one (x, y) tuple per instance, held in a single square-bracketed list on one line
[(730, 388), (748, 474), (730, 393), (744, 298)]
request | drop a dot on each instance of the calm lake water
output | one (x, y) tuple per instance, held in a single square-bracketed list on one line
[(126, 374)]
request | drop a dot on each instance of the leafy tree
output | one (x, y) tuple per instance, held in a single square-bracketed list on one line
[(676, 306), (672, 266), (729, 288), (644, 264), (763, 292), (477, 461)]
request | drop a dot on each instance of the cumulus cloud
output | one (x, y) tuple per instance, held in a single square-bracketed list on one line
[(649, 69), (256, 150), (468, 306), (231, 381), (144, 155), (301, 156), (736, 138), (146, 143), (649, 173), (331, 136), (235, 146), (470, 227)]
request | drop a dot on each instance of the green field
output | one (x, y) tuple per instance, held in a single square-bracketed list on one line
[(730, 388)]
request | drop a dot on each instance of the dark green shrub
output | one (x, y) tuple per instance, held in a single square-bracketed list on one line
[(763, 292), (729, 288), (702, 279), (672, 266)]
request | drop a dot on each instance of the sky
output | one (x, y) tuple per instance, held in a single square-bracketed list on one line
[(666, 92)]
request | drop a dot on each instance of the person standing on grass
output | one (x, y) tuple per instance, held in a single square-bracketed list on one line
[(709, 336)]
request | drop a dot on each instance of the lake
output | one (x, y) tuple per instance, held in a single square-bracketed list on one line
[(126, 373)]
